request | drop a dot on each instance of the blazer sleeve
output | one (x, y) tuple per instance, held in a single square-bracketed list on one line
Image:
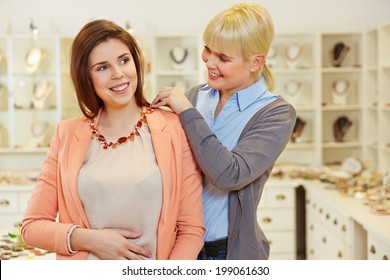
[(39, 226), (261, 142), (190, 223)]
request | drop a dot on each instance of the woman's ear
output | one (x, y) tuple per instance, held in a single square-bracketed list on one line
[(257, 62)]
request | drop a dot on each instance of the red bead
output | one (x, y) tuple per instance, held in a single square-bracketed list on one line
[(122, 140)]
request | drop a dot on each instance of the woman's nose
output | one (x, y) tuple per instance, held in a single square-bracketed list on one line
[(117, 73)]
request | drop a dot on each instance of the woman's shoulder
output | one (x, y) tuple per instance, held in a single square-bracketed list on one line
[(72, 122), (167, 114)]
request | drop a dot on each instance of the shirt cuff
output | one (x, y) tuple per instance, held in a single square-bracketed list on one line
[(70, 231)]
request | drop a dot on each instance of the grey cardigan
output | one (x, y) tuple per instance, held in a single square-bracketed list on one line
[(242, 171)]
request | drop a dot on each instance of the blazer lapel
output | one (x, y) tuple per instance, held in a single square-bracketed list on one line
[(78, 148), (162, 147)]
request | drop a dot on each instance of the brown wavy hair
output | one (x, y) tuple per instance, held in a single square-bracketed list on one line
[(91, 35)]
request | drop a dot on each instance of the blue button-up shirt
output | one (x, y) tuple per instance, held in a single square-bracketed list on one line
[(227, 127)]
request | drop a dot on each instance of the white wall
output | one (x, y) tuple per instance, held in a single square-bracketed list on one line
[(66, 17)]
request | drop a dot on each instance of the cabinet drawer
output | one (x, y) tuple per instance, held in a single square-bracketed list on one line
[(327, 244), (281, 242), (281, 197), (377, 248), (276, 219), (8, 202)]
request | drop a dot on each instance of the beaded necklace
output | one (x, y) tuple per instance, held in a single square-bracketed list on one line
[(121, 140)]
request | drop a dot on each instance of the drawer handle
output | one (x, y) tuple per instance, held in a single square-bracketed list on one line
[(270, 242), (385, 258), (335, 222), (343, 228), (311, 227), (372, 249), (267, 220), (4, 202), (340, 254), (327, 216), (324, 239), (321, 210), (311, 251), (314, 205), (280, 197)]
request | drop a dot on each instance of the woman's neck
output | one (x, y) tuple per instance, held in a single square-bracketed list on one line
[(115, 122)]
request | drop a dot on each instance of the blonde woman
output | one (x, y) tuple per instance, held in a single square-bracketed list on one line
[(237, 129)]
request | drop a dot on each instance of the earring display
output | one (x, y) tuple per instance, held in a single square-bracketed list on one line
[(41, 91), (340, 92), (293, 91), (338, 54), (293, 55), (33, 59), (340, 128), (178, 55), (297, 130)]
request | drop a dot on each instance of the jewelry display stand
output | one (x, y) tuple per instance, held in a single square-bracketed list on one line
[(33, 59), (41, 91), (340, 92), (38, 133), (298, 129), (178, 56), (338, 53), (340, 128), (293, 55), (293, 92)]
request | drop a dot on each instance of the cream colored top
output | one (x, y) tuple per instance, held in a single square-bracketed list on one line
[(122, 188)]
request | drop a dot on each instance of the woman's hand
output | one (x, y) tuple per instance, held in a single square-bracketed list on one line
[(173, 98), (109, 244)]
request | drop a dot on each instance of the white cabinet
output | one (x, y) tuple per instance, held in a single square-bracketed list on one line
[(328, 232), (276, 217), (177, 61), (339, 84), (378, 248), (29, 81), (13, 204), (384, 96), (293, 59), (343, 227)]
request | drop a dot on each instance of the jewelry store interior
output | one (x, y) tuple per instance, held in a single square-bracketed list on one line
[(329, 193)]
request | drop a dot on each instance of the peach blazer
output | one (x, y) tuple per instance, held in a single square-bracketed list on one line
[(180, 229)]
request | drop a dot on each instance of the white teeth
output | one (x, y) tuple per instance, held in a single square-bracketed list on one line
[(120, 88), (214, 75)]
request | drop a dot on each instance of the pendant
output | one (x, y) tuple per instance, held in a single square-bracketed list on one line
[(41, 91), (33, 59)]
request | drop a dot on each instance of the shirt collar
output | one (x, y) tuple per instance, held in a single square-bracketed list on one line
[(246, 96)]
